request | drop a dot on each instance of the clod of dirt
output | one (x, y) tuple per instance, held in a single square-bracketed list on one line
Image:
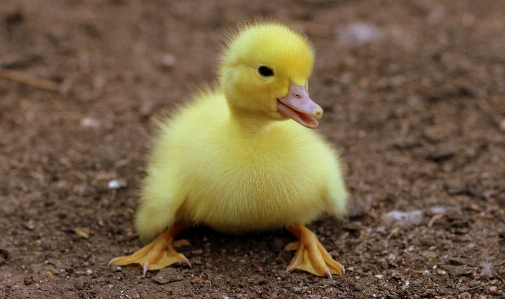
[(465, 295), (454, 187), (14, 19), (4, 255), (28, 280), (441, 152), (457, 270), (167, 275)]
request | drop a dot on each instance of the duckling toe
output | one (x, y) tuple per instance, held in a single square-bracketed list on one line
[(310, 255), (158, 254)]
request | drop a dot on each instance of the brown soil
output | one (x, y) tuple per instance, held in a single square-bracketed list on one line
[(417, 113)]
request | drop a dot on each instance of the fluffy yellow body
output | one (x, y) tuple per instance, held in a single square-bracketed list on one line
[(206, 169)]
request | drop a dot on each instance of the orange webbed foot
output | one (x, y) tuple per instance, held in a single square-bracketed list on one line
[(310, 255), (158, 254)]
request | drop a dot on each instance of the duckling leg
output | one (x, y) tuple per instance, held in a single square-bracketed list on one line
[(310, 255), (158, 254)]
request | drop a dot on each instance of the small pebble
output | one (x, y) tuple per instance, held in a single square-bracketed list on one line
[(297, 290), (438, 210), (116, 184), (29, 225), (167, 275), (167, 61), (397, 218), (90, 122), (359, 33)]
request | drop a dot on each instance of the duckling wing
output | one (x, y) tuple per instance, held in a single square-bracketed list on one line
[(182, 139)]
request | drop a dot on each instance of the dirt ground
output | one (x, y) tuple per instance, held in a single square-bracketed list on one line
[(414, 99)]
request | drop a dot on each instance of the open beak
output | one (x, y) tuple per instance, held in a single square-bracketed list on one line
[(298, 106)]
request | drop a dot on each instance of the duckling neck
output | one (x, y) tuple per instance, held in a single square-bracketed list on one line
[(250, 122)]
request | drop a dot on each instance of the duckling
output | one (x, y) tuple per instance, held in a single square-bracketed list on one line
[(233, 159)]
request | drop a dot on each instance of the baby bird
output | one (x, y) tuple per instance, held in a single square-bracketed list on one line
[(233, 159)]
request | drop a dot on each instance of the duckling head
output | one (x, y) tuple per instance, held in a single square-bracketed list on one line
[(264, 74)]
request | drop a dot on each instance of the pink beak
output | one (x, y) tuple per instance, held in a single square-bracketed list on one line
[(298, 106)]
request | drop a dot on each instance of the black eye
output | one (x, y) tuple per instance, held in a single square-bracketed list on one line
[(265, 71)]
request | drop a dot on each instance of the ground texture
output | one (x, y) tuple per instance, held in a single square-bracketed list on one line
[(414, 94)]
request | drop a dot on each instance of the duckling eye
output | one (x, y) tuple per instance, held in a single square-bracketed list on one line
[(265, 71)]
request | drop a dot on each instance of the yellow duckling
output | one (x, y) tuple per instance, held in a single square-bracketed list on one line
[(233, 161)]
